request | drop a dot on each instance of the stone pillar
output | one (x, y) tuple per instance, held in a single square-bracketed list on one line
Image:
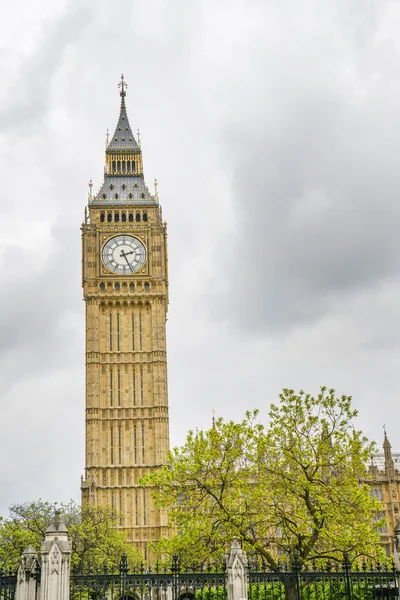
[(56, 561), (28, 572), (237, 570)]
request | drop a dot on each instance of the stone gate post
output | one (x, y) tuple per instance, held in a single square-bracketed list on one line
[(26, 580), (56, 561), (237, 570)]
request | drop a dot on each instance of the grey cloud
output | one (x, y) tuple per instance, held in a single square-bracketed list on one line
[(29, 99), (313, 193), (37, 333)]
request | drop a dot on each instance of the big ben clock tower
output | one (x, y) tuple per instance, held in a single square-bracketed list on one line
[(125, 287)]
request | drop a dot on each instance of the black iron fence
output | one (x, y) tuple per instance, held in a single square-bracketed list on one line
[(332, 582), (146, 584), (8, 585)]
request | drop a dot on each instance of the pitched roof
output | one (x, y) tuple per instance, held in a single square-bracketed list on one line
[(123, 138)]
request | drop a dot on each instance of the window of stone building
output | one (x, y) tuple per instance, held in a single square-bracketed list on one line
[(376, 492), (145, 217), (378, 517)]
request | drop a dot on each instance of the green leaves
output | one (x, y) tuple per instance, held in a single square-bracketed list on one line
[(95, 539), (293, 488)]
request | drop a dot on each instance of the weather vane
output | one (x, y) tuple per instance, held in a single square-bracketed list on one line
[(123, 86)]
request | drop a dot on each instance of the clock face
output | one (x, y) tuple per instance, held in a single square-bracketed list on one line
[(124, 254)]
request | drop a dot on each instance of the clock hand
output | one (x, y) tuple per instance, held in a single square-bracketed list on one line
[(125, 255)]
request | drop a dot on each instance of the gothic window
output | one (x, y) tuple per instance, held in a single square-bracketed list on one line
[(128, 166), (119, 389), (135, 459), (136, 185), (111, 187), (102, 215), (116, 215), (130, 217), (117, 289), (137, 217), (114, 165), (123, 166), (116, 196), (111, 387), (134, 387), (123, 217), (133, 166), (145, 217), (146, 287), (104, 196), (111, 336), (123, 186), (118, 348), (102, 287), (144, 498), (130, 196), (142, 195), (118, 166), (141, 387), (133, 330), (112, 455), (109, 217), (140, 337), (131, 287)]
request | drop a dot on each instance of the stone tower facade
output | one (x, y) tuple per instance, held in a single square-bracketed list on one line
[(125, 287)]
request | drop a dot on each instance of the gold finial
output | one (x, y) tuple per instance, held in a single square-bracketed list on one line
[(90, 188), (213, 419), (156, 189), (123, 86), (138, 137), (107, 138)]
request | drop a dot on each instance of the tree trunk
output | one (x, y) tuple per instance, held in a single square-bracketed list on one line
[(291, 591)]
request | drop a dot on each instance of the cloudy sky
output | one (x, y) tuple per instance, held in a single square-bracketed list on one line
[(274, 131)]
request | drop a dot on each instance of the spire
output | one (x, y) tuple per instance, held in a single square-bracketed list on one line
[(123, 138), (389, 464)]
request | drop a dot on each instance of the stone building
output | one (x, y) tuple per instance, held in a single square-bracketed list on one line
[(125, 288), (384, 478)]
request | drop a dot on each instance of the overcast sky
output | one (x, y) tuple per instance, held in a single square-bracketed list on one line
[(273, 129)]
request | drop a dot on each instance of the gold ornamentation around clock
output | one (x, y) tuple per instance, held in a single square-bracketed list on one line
[(124, 254)]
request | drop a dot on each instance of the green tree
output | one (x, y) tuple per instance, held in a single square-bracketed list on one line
[(291, 489), (93, 532)]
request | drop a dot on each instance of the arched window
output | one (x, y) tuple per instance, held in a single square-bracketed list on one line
[(146, 287), (102, 287), (133, 166), (102, 217), (128, 166), (118, 166), (145, 217), (130, 217), (142, 195), (123, 166), (123, 217), (116, 196), (111, 187), (117, 287), (116, 217), (114, 165), (109, 217), (137, 217), (130, 196), (131, 287)]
